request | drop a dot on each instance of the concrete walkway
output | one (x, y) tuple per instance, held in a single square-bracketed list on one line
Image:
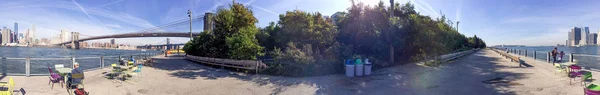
[(465, 76)]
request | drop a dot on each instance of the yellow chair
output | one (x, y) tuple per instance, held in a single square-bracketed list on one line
[(9, 87), (130, 63), (115, 70), (79, 85), (560, 68)]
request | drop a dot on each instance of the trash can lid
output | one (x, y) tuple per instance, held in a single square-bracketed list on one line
[(358, 61), (349, 62), (367, 62)]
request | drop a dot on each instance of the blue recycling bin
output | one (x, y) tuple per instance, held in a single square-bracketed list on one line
[(349, 68)]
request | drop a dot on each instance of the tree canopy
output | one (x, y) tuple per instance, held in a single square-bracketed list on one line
[(303, 43)]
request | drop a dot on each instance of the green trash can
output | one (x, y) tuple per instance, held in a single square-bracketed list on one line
[(359, 67)]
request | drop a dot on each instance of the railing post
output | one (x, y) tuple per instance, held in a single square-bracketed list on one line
[(256, 67), (534, 55), (571, 57), (525, 53), (27, 66), (102, 61), (72, 62), (548, 57)]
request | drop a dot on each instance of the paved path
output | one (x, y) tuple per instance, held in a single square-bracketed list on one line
[(465, 76)]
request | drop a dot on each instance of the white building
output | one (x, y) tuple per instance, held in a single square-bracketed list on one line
[(6, 36), (65, 35)]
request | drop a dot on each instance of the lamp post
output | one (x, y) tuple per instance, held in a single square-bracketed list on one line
[(190, 15), (457, 22)]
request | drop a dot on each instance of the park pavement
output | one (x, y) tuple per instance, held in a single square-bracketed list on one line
[(484, 73)]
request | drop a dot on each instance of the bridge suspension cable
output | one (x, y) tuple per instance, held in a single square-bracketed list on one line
[(172, 24)]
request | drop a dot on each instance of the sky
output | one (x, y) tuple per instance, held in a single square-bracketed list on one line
[(522, 22)]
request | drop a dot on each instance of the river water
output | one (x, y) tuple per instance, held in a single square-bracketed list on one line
[(587, 56), (12, 61)]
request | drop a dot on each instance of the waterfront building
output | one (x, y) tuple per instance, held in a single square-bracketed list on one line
[(65, 35), (585, 32), (112, 41), (6, 33), (16, 32), (575, 36), (594, 38)]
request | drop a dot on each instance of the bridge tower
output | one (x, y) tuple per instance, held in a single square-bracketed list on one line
[(75, 40)]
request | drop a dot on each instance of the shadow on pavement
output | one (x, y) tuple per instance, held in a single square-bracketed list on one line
[(476, 73)]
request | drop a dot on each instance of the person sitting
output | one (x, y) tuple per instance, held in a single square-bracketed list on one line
[(75, 80), (132, 60), (122, 62)]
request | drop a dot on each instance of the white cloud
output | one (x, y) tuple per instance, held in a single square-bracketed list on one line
[(113, 25), (423, 6), (86, 13)]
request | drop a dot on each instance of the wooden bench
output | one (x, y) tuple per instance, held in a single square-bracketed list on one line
[(240, 64), (509, 56)]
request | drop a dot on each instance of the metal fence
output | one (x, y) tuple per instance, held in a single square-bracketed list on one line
[(585, 60), (540, 55), (39, 66)]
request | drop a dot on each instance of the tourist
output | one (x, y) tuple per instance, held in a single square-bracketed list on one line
[(76, 70), (561, 56), (122, 62), (554, 53)]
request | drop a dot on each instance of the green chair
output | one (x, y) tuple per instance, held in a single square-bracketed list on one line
[(115, 70), (136, 72), (587, 77)]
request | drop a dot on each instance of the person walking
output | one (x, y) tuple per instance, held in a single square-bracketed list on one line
[(554, 53)]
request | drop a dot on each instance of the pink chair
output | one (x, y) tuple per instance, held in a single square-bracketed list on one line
[(590, 92), (55, 78), (575, 68)]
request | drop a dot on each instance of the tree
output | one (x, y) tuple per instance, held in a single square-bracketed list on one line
[(303, 28), (234, 35)]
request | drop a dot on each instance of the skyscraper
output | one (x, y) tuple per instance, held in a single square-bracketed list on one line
[(597, 38), (112, 41), (576, 35), (569, 39), (12, 37), (16, 32), (64, 35), (594, 38), (6, 36)]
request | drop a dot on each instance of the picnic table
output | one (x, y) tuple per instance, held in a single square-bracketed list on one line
[(63, 72), (567, 66)]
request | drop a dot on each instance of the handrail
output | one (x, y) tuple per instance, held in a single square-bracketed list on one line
[(28, 60), (451, 56)]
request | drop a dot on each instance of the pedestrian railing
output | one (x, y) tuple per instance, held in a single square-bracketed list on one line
[(448, 57), (39, 66), (241, 64)]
